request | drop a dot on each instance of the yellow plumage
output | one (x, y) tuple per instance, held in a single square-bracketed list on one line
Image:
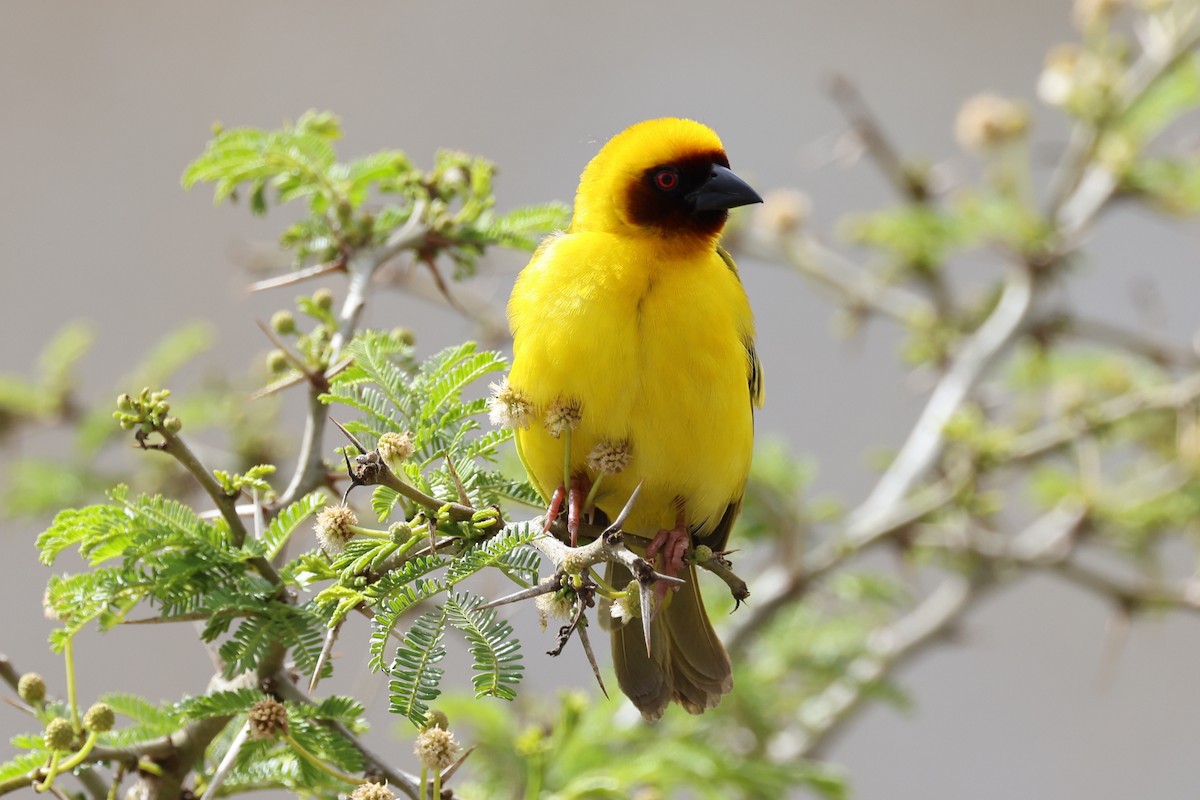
[(636, 316)]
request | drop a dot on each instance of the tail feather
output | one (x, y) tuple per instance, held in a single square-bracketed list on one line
[(687, 662)]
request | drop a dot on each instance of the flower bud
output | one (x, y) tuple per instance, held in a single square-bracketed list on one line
[(782, 212), (333, 527), (1089, 14), (372, 791), (31, 688), (437, 748), (554, 605), (323, 299), (395, 449), (988, 121), (99, 718), (268, 719), (400, 532), (509, 407), (563, 415), (172, 424), (610, 457), (283, 323), (629, 604), (59, 734), (277, 362)]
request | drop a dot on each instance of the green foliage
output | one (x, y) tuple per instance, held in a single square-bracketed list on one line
[(427, 400), (414, 670), (496, 654), (220, 703), (45, 397), (254, 479), (918, 237), (361, 204), (151, 551)]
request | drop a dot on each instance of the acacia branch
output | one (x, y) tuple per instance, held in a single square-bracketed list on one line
[(853, 283), (820, 717), (410, 785), (1057, 435), (1082, 184), (310, 467), (1157, 350), (926, 441), (782, 585), (909, 183)]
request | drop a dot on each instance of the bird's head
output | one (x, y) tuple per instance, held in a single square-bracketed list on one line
[(667, 179)]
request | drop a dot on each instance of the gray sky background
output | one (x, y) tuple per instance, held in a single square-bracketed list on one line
[(104, 104)]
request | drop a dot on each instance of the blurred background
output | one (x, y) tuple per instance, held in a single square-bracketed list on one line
[(104, 105)]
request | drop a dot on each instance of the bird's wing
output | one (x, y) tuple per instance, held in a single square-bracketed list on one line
[(754, 375)]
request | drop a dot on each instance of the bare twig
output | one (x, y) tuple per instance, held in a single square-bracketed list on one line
[(8, 673), (910, 184), (331, 636), (719, 566), (362, 268), (926, 440), (297, 276), (781, 585), (1148, 346), (855, 284), (821, 716), (1062, 433), (227, 763)]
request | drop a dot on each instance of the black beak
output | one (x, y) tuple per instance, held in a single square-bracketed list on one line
[(722, 190)]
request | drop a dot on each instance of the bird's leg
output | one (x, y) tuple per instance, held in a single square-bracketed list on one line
[(673, 545), (575, 505), (556, 503)]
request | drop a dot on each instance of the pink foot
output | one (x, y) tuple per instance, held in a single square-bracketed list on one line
[(673, 545)]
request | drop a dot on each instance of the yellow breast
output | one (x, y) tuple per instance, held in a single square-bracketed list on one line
[(652, 347)]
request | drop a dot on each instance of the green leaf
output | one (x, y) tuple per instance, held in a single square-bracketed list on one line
[(496, 654), (21, 766), (415, 676), (339, 708), (287, 521), (1170, 97), (221, 703)]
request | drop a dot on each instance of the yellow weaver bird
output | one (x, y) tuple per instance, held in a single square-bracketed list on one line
[(633, 345)]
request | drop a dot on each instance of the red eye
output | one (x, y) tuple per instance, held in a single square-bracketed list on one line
[(666, 179)]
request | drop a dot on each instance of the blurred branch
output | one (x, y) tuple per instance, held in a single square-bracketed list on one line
[(784, 584), (1081, 184), (1131, 597), (856, 285), (1062, 433), (925, 442), (910, 184), (822, 716), (1160, 351)]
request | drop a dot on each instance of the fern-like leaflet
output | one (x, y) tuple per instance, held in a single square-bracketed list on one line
[(496, 654)]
